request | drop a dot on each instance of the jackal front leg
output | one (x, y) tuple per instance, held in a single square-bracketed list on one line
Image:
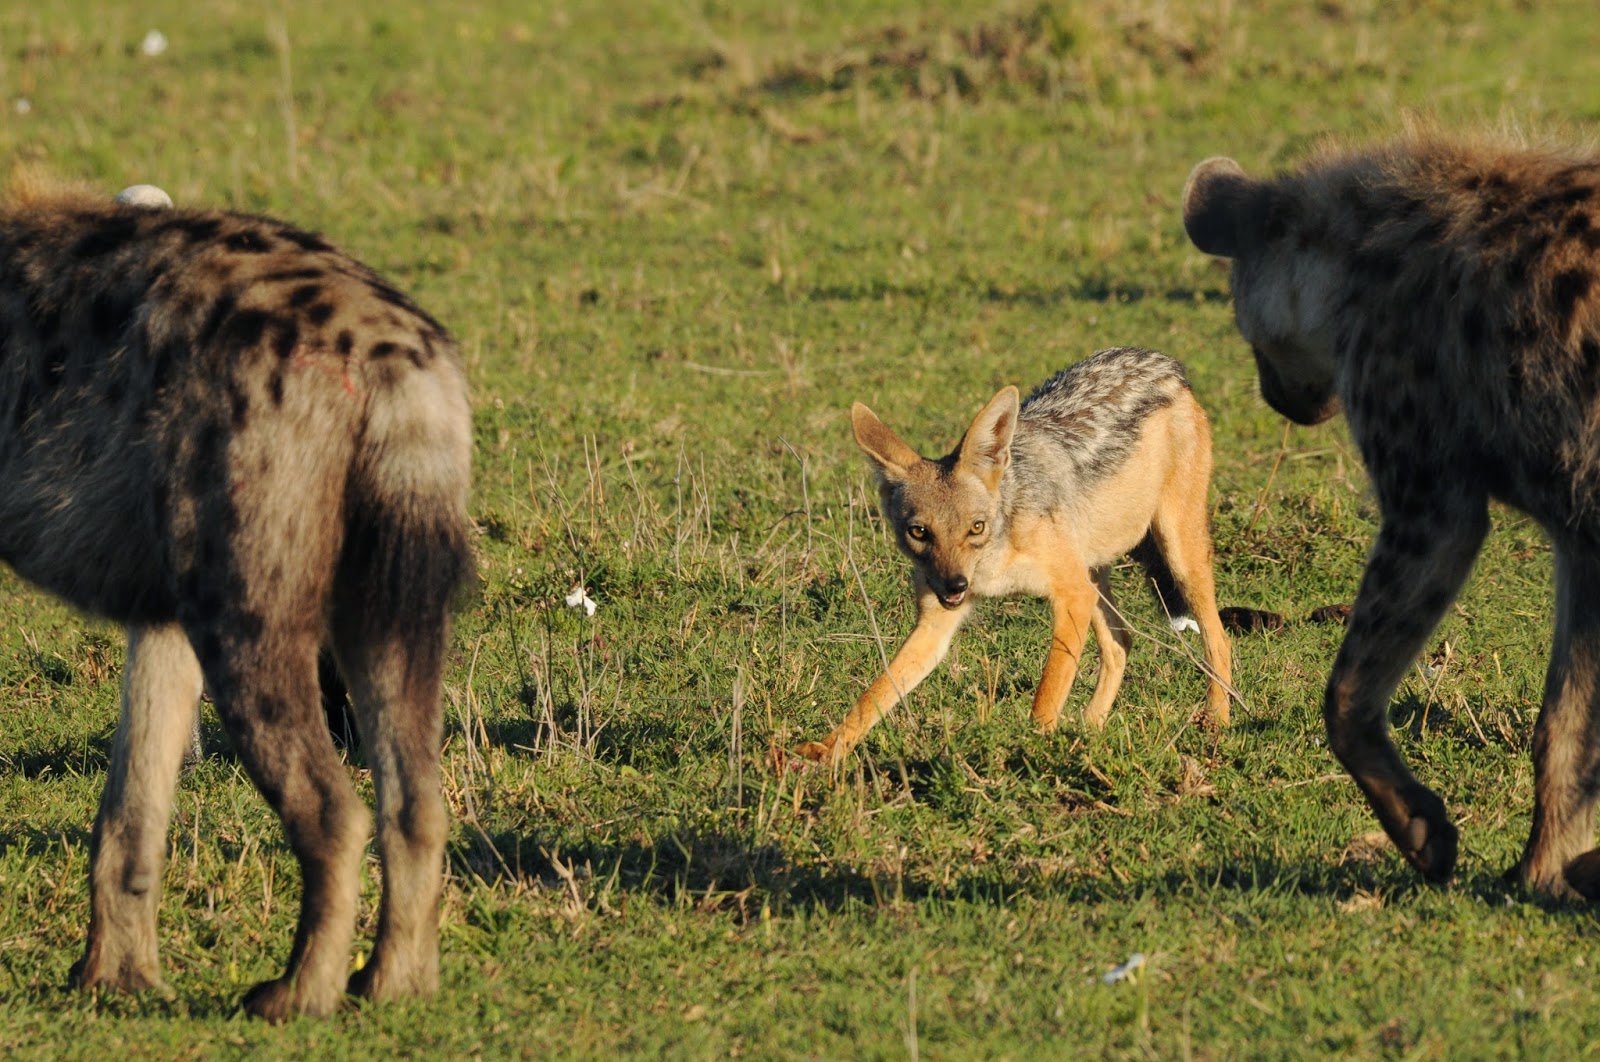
[(1073, 601), (921, 653)]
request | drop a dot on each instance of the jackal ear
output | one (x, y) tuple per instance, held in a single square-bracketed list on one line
[(986, 448), (1223, 210), (892, 457)]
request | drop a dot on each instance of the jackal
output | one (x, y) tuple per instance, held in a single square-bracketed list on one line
[(242, 444), (1108, 457), (1445, 293)]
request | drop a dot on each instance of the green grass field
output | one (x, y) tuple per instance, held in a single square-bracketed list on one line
[(676, 238)]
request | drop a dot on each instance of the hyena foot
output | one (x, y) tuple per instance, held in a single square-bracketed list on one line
[(279, 1000), (379, 979), (122, 969), (1579, 879), (1583, 875), (1424, 833)]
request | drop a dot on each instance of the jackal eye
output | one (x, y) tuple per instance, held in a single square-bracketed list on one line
[(977, 527), (917, 531)]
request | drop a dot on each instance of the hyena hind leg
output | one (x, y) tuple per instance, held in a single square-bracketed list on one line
[(1560, 858), (160, 696), (1114, 638), (266, 692), (395, 689)]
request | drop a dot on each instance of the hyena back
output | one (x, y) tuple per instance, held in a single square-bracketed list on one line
[(1447, 295), (240, 443)]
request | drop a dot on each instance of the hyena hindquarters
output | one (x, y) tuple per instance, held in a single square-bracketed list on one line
[(1109, 457), (1446, 295), (242, 444)]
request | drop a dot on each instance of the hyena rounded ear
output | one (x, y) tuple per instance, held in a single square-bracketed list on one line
[(1220, 205), (883, 447), (987, 444)]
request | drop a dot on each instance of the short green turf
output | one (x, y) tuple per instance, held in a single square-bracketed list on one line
[(676, 240)]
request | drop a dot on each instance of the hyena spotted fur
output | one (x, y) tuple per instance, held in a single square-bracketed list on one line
[(242, 444), (1446, 295)]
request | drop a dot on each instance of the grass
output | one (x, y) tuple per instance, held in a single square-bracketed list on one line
[(676, 240)]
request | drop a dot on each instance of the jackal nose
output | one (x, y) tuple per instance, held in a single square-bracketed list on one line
[(958, 585)]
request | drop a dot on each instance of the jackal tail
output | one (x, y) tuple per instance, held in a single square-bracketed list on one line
[(1163, 584)]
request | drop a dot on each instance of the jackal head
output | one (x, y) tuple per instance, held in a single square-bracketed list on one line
[(943, 512), (1283, 285)]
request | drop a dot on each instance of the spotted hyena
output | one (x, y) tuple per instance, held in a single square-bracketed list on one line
[(242, 444), (1446, 295)]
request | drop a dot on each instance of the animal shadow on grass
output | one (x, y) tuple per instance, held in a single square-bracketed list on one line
[(65, 757)]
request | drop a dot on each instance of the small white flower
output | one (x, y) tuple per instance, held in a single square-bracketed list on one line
[(154, 43), (1119, 973), (1180, 624), (579, 598), (23, 105)]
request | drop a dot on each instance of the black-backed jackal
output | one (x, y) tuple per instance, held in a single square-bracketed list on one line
[(1110, 456), (242, 444)]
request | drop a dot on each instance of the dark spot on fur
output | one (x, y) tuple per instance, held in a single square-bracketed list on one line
[(1589, 351), (244, 329), (306, 241), (275, 386), (108, 316), (382, 350), (248, 241), (248, 625), (305, 273), (220, 311), (238, 406), (304, 293), (320, 313), (113, 233), (285, 337), (1566, 291), (346, 342), (197, 230), (208, 460)]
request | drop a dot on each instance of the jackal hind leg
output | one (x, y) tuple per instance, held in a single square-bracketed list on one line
[(265, 687), (1181, 528), (160, 696), (1074, 604), (395, 689), (913, 662), (1114, 638), (1414, 572), (1560, 859)]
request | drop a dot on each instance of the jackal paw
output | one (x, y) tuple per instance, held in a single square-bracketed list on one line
[(1428, 838), (816, 751)]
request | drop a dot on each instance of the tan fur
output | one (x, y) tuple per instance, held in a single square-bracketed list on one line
[(959, 521)]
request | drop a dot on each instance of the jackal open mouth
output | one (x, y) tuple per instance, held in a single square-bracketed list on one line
[(953, 600)]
